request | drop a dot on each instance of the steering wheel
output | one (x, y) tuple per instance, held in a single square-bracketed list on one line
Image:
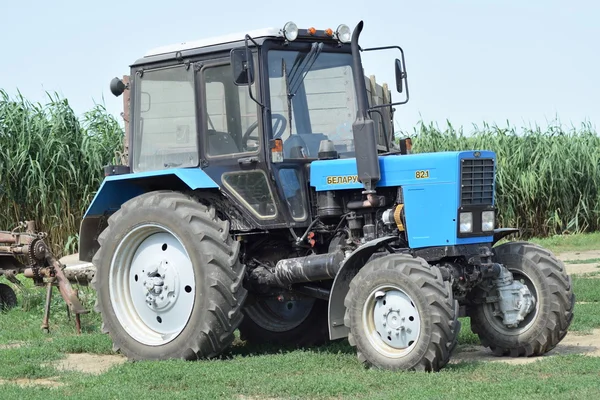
[(278, 128)]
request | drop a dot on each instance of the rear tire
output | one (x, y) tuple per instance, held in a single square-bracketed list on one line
[(169, 279), (8, 297), (548, 323), (299, 323), (401, 315)]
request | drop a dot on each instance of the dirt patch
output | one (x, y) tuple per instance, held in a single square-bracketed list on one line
[(15, 345), (578, 255), (588, 345), (582, 267), (574, 269), (48, 382), (89, 363)]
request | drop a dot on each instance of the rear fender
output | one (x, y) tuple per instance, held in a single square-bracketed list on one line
[(341, 284), (117, 189)]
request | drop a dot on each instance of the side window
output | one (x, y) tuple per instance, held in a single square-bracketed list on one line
[(292, 190), (252, 189), (231, 115), (215, 106), (165, 120)]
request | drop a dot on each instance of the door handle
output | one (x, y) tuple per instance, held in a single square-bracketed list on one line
[(248, 160)]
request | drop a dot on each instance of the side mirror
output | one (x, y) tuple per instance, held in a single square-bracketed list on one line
[(117, 87), (242, 65), (400, 75)]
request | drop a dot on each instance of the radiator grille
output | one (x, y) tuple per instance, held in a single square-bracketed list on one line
[(477, 181)]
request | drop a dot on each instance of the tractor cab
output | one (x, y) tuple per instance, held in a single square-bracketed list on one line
[(252, 112)]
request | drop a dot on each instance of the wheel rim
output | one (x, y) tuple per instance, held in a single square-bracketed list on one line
[(496, 321), (391, 321), (152, 285), (279, 316)]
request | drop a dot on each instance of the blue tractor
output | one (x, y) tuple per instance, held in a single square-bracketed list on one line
[(263, 193)]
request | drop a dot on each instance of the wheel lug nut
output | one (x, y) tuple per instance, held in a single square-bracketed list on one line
[(384, 324), (408, 330)]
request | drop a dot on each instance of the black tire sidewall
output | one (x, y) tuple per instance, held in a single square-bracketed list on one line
[(8, 297), (396, 278), (168, 218)]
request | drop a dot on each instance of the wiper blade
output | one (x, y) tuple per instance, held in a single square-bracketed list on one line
[(287, 91), (297, 78)]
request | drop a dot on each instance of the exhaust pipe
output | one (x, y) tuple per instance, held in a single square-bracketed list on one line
[(363, 128)]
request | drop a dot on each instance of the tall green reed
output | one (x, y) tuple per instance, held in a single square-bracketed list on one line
[(547, 182), (51, 164)]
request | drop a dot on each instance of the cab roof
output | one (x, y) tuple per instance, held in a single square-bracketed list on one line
[(214, 41)]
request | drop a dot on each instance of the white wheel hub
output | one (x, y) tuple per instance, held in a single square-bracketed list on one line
[(161, 283), (152, 285), (391, 321)]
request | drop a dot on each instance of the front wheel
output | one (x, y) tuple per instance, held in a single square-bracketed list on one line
[(547, 323), (401, 315)]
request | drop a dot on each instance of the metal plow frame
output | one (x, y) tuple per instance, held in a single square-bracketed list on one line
[(24, 251)]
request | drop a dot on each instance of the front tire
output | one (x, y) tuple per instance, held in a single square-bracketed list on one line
[(545, 326), (401, 315), (169, 279)]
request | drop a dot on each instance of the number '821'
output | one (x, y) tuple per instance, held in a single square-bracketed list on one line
[(422, 174)]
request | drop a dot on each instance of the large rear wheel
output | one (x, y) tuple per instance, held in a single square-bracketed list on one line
[(301, 322), (401, 314), (169, 280)]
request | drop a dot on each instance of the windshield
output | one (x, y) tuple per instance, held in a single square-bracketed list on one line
[(313, 92)]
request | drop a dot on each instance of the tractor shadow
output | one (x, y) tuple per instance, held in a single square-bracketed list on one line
[(240, 348)]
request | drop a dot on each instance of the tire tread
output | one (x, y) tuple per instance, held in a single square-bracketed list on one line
[(226, 293)]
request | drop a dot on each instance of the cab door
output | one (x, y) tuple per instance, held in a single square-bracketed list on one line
[(232, 144)]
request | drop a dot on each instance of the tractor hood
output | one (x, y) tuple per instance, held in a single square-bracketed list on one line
[(396, 170)]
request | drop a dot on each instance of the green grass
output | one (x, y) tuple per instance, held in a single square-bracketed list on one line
[(325, 374), (563, 243), (248, 372), (587, 290), (586, 261)]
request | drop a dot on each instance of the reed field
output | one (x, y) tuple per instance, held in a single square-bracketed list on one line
[(51, 164), (548, 181)]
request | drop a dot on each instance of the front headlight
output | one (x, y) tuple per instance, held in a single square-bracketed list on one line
[(343, 33), (466, 222), (290, 31), (488, 220)]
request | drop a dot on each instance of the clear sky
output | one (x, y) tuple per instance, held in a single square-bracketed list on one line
[(468, 61)]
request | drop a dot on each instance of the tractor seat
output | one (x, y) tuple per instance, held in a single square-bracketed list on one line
[(220, 143), (309, 141)]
